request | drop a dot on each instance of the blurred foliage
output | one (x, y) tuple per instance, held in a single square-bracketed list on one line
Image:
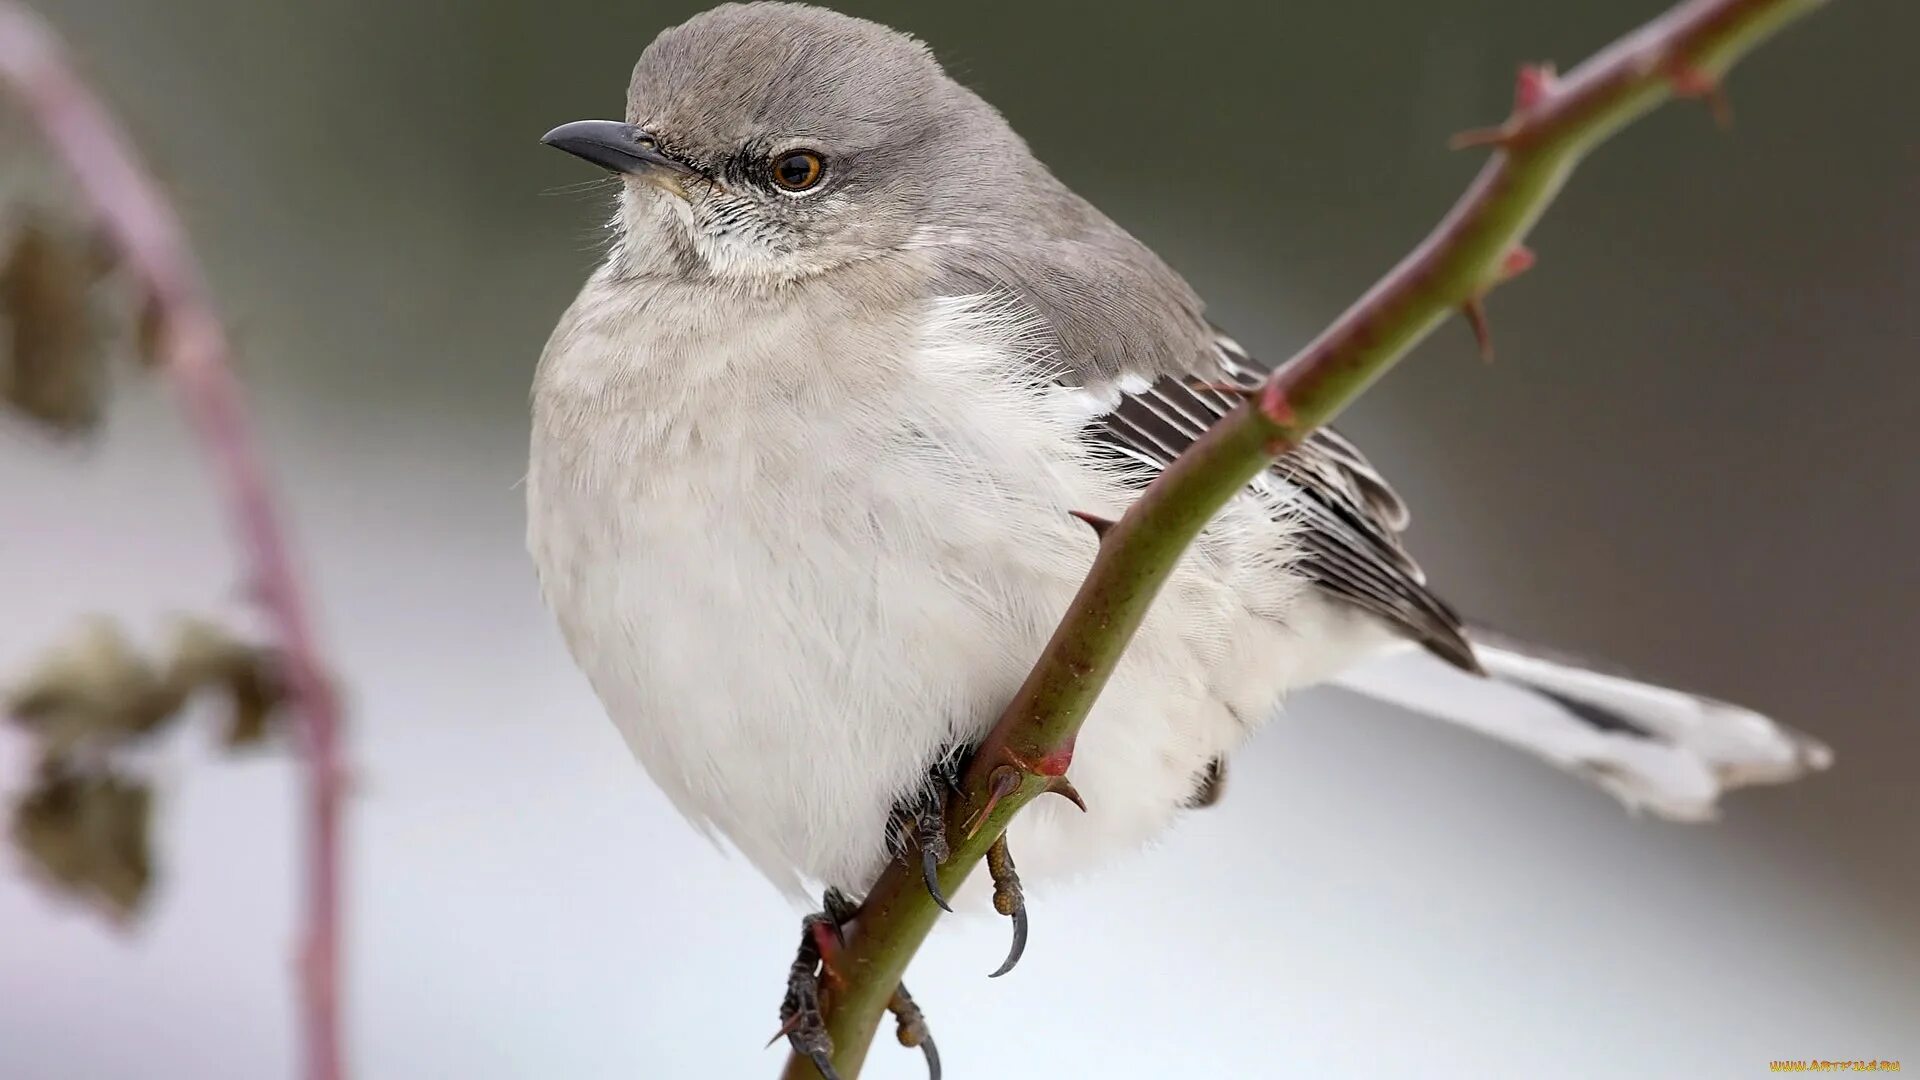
[(87, 832), (84, 823), (54, 329), (88, 702), (51, 355)]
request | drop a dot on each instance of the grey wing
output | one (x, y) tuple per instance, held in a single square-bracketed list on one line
[(1119, 319), (1125, 327), (1352, 519)]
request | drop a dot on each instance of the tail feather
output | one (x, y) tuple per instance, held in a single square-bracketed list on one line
[(1665, 751)]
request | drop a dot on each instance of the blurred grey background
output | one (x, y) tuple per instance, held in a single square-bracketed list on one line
[(1694, 456)]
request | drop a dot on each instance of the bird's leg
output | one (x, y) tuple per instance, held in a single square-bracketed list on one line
[(800, 1018), (912, 1028), (1008, 900), (922, 818)]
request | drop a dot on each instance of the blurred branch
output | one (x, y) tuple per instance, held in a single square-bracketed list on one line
[(186, 341), (1554, 123)]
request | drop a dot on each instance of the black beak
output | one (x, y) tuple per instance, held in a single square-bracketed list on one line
[(617, 147)]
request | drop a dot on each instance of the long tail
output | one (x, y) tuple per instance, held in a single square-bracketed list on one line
[(1665, 751)]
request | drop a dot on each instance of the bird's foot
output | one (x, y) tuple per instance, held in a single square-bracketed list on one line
[(801, 1019), (912, 1028), (922, 819), (1008, 900)]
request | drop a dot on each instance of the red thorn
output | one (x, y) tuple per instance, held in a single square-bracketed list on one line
[(1004, 781), (1518, 261), (1477, 137), (1059, 786), (1533, 84), (1275, 406), (786, 1029), (1692, 82), (1099, 524), (1476, 314), (1531, 88)]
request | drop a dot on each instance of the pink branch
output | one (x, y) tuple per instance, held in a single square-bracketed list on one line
[(191, 348)]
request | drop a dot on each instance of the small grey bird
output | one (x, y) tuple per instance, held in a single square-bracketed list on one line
[(805, 447)]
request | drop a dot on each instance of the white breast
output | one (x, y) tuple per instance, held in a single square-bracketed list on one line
[(799, 554)]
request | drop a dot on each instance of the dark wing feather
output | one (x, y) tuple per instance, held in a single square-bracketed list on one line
[(1116, 316), (1353, 519)]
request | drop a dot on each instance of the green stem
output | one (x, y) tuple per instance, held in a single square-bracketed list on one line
[(1555, 122)]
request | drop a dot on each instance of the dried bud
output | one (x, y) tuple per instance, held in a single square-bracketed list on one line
[(52, 350)]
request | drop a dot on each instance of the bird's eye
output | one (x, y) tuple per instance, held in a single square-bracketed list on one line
[(798, 170)]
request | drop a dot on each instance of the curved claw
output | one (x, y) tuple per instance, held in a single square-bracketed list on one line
[(804, 1030), (823, 1061), (1019, 915), (1008, 900), (930, 873), (912, 1030), (840, 908)]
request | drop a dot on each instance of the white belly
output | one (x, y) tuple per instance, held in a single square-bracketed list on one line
[(793, 593)]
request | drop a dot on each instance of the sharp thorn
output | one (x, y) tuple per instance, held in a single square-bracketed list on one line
[(1476, 314), (1531, 87), (1059, 785), (1004, 782), (1692, 82), (1478, 137), (1721, 106), (1533, 84), (930, 873), (979, 818), (1519, 259), (787, 1027), (1099, 524)]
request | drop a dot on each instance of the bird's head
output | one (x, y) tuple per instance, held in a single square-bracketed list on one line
[(773, 141)]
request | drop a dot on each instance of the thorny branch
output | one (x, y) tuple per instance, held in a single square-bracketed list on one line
[(1555, 121), (189, 345)]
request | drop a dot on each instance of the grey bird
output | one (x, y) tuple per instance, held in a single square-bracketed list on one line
[(806, 446)]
